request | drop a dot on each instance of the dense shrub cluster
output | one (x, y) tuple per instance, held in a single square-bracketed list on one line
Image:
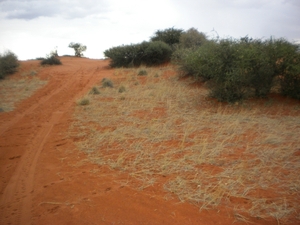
[(171, 36), (51, 60), (239, 69), (192, 38), (147, 53), (150, 53), (8, 64)]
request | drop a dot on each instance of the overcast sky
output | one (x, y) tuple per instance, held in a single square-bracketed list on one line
[(32, 28)]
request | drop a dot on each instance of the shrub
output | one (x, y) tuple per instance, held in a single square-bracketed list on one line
[(94, 91), (107, 83), (200, 63), (8, 64), (51, 60), (170, 36), (157, 53), (192, 38), (148, 53), (84, 101), (126, 55), (228, 80), (286, 60), (238, 69), (122, 89), (142, 73)]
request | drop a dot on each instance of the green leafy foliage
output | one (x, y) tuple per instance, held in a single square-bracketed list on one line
[(170, 36), (192, 38), (147, 53), (78, 48), (156, 53), (286, 60), (239, 69), (8, 64)]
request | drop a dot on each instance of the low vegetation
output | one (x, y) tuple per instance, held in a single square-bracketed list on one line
[(241, 156), (107, 83), (13, 91), (170, 36), (51, 60), (8, 64), (234, 69), (145, 53), (239, 69), (84, 101), (94, 91)]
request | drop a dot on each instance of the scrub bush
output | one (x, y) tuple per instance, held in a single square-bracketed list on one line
[(147, 53), (170, 36), (8, 64), (239, 69), (51, 60)]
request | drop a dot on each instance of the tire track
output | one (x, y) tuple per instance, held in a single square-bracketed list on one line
[(40, 102), (16, 200)]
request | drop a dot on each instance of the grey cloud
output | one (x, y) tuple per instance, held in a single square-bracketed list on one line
[(31, 9), (293, 2)]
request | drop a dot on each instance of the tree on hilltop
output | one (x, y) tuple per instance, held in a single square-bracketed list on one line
[(78, 48)]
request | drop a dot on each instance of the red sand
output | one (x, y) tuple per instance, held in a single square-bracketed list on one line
[(43, 179)]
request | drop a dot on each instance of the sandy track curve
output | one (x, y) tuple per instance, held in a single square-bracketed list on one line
[(35, 120), (45, 180)]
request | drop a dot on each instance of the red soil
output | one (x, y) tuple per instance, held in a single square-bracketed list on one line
[(44, 179)]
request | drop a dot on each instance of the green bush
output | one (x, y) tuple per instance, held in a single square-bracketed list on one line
[(8, 64), (192, 38), (170, 36), (148, 53), (51, 60), (201, 63), (286, 60), (238, 69), (228, 80), (126, 55), (156, 53)]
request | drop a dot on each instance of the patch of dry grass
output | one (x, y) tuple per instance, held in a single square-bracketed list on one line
[(208, 154), (13, 91)]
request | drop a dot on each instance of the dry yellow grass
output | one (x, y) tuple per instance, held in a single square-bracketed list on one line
[(209, 153), (13, 91)]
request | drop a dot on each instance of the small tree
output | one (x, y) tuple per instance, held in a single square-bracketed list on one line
[(170, 36), (78, 48)]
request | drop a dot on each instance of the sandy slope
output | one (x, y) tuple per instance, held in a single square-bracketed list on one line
[(46, 180)]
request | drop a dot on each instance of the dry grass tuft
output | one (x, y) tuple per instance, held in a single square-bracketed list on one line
[(13, 91), (242, 156), (84, 101)]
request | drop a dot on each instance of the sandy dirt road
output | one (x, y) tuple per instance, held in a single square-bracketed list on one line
[(25, 131), (46, 180)]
